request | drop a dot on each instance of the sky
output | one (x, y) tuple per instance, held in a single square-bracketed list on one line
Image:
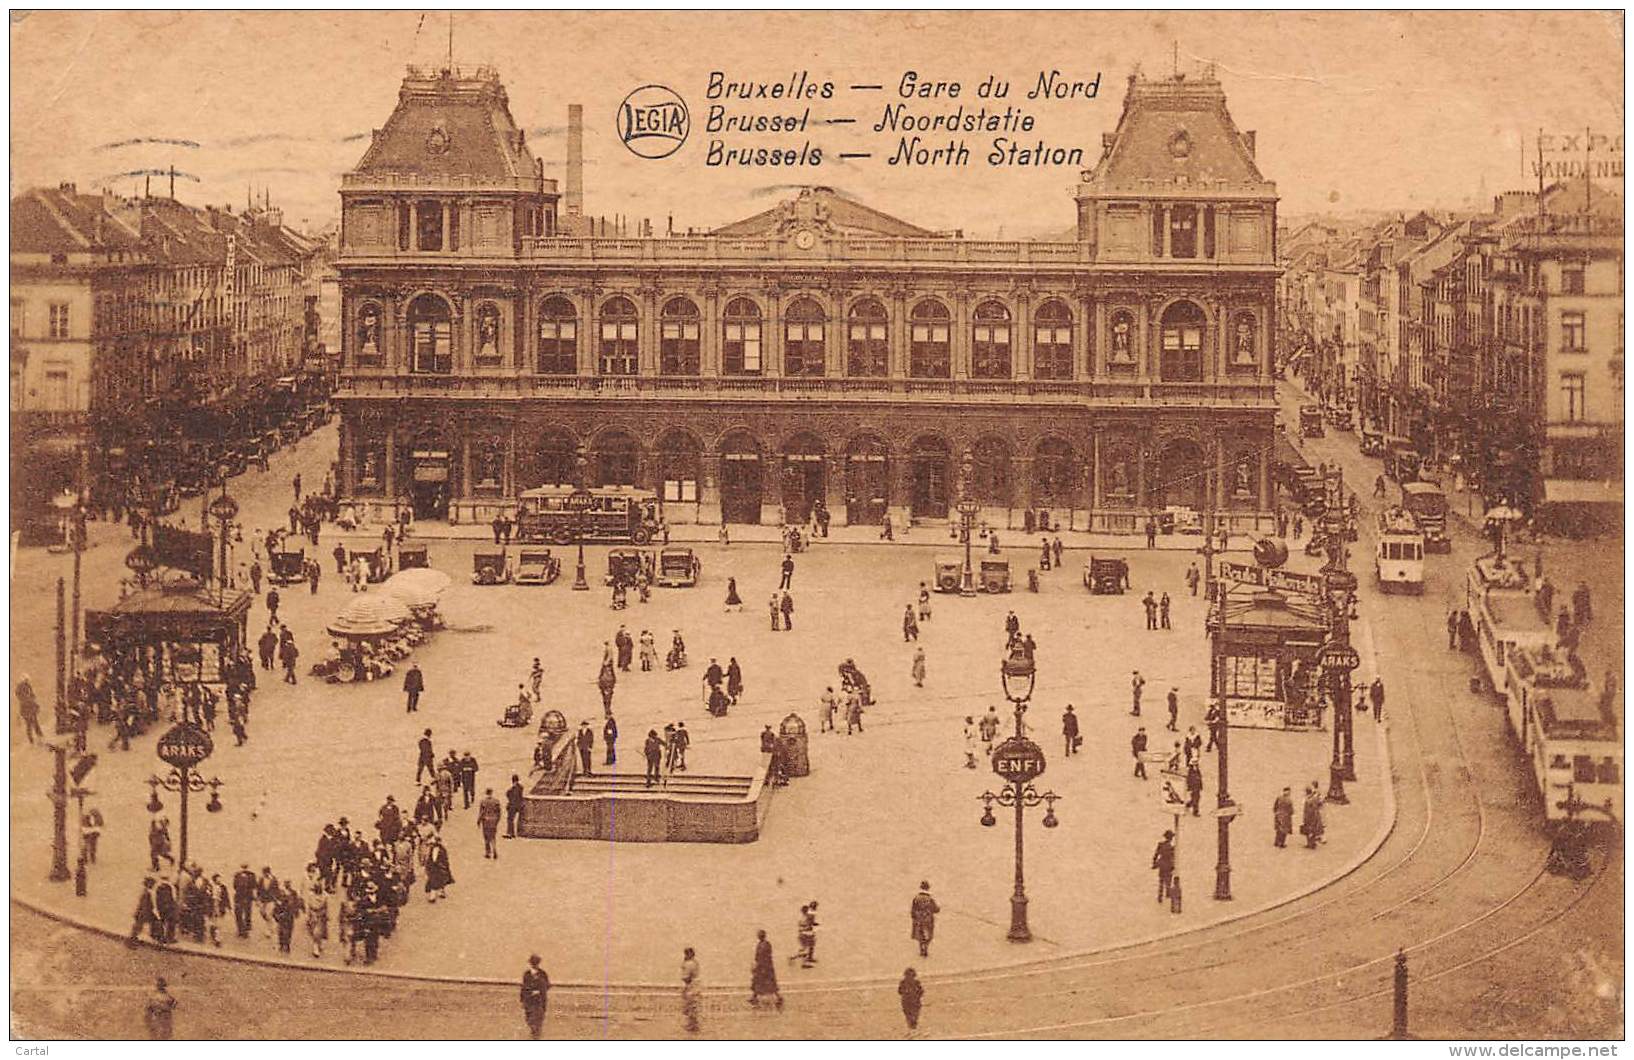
[(1353, 111)]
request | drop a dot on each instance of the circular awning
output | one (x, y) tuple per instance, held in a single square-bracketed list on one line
[(369, 616), (417, 586)]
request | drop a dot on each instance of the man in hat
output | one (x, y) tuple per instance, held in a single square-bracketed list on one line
[(1069, 729), (160, 1012), (1163, 862), (414, 683), (1282, 816), (587, 743), (488, 823), (922, 913), (428, 759), (513, 806), (535, 987)]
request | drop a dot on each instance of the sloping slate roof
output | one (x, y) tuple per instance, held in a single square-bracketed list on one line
[(450, 126), (847, 216), (54, 221), (1171, 129)]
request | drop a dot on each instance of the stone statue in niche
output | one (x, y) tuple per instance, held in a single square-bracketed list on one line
[(1122, 339), (1119, 478), (488, 332), (369, 332), (371, 466), (1244, 346), (1242, 483)]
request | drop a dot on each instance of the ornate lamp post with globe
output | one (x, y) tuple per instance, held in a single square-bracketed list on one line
[(184, 747), (967, 507), (1019, 761)]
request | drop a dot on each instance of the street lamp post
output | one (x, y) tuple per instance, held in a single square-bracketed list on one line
[(184, 747), (967, 507), (578, 499), (223, 510), (1337, 660), (1018, 761)]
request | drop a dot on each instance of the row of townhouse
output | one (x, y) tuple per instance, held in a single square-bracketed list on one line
[(1493, 341), (135, 321)]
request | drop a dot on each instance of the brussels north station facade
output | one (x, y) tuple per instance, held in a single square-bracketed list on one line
[(821, 350)]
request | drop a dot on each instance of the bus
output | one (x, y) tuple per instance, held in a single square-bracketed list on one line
[(1398, 559), (557, 514), (1429, 506)]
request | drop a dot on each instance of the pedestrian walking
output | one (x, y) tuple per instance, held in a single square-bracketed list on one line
[(317, 917), (1151, 533), (1057, 548), (912, 993), (788, 572), (1282, 817), (924, 602), (273, 600), (922, 916), (972, 734), (777, 612), (690, 982), (609, 740), (1582, 604), (514, 801), (1194, 789), (1375, 694), (607, 681), (1137, 747), (1069, 730), (535, 991), (919, 667), (989, 729), (1044, 554), (806, 935), (1163, 863), (853, 712), (427, 762), (788, 611), (733, 600), (1149, 602), (1136, 684), (488, 823), (734, 680), (1174, 710), (255, 577), (1174, 893), (289, 655), (28, 709), (438, 873), (763, 974), (910, 627), (830, 705), (1163, 611), (1193, 578), (468, 777), (414, 683), (626, 648), (1310, 824), (314, 572), (159, 1012)]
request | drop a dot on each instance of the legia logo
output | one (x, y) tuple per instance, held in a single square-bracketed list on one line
[(653, 122)]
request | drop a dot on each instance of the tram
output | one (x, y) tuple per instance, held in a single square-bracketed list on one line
[(1499, 595), (1566, 726), (555, 514), (1398, 557), (1429, 506)]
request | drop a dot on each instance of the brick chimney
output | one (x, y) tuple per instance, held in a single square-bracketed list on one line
[(575, 160)]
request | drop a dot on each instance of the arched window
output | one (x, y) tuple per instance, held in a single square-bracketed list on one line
[(930, 355), (369, 331), (558, 337), (1055, 474), (803, 339), (740, 350), (867, 352), (1121, 348), (1183, 326), (678, 344), (990, 349), (618, 352), (431, 335), (1052, 341), (679, 459)]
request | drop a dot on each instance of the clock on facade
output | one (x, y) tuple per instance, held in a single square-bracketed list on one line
[(805, 239)]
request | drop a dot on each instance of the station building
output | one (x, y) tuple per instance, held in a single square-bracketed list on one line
[(493, 342)]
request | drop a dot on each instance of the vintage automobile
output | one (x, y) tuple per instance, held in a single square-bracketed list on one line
[(517, 715), (1372, 443), (490, 568), (536, 566), (624, 565), (377, 565), (995, 575), (287, 567), (1310, 422), (290, 429), (678, 567), (1340, 417), (411, 556), (255, 454), (235, 461), (949, 573), (1401, 461), (1106, 575)]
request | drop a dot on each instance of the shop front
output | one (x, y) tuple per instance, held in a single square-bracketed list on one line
[(1265, 644)]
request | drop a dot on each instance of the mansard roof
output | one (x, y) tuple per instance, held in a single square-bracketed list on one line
[(1175, 135), (448, 126), (827, 210)]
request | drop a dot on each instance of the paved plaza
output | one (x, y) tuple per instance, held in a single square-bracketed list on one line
[(881, 809)]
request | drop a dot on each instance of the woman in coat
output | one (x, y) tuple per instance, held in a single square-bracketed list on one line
[(919, 667), (734, 680), (912, 992), (732, 597), (438, 873), (1310, 825), (763, 975)]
